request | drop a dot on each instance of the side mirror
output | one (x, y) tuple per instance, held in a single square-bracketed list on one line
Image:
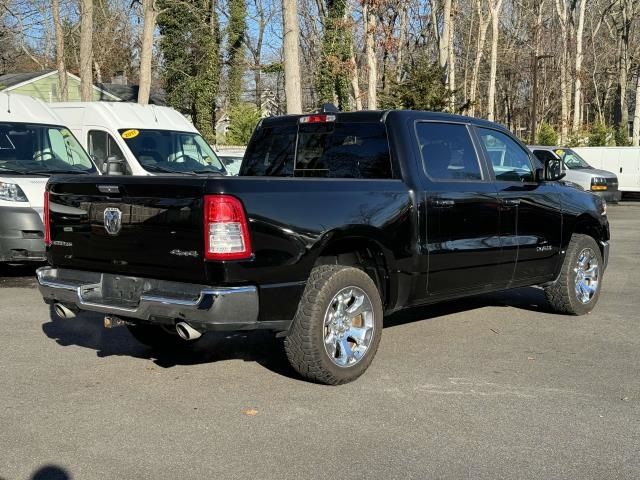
[(554, 169), (113, 166)]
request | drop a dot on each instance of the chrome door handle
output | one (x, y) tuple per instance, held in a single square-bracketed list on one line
[(511, 202), (443, 203)]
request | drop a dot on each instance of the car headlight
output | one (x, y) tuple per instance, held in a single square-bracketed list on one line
[(598, 184), (12, 192)]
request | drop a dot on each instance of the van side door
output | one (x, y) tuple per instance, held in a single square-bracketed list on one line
[(531, 224), (462, 212)]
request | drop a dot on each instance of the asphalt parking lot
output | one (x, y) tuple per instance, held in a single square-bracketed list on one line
[(493, 387)]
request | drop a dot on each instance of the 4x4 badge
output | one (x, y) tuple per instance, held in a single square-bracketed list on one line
[(112, 220)]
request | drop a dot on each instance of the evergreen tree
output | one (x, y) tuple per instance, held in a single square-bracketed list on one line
[(236, 31), (547, 135), (334, 68), (190, 44), (421, 87)]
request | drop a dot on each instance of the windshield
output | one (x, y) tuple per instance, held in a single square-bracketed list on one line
[(170, 151), (572, 159), (31, 148)]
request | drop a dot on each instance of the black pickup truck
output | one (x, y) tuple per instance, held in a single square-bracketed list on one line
[(336, 220)]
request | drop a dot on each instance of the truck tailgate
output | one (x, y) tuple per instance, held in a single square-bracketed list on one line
[(146, 228)]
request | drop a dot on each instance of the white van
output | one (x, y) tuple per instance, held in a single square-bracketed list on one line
[(623, 161), (34, 145), (133, 139)]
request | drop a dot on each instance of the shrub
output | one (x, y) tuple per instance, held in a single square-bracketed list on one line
[(243, 120), (600, 135), (547, 135)]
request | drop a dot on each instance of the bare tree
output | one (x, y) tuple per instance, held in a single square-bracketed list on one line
[(636, 115), (63, 92), (150, 15), (494, 6), (483, 24), (86, 50), (577, 109), (291, 45), (563, 17), (369, 15)]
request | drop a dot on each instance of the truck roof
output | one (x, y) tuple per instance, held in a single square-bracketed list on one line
[(366, 116), (24, 109), (122, 115)]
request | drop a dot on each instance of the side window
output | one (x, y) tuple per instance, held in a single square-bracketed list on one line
[(447, 151), (102, 146), (511, 163), (544, 155)]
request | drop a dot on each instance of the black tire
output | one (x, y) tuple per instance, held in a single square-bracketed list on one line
[(159, 337), (562, 295), (305, 343)]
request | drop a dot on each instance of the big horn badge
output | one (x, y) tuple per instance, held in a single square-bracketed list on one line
[(112, 220)]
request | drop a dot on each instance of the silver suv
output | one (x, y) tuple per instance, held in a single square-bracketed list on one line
[(600, 182)]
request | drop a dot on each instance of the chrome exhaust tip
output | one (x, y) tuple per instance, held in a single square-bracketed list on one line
[(63, 312), (186, 331)]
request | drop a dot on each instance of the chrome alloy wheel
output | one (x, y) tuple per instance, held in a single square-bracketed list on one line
[(587, 275), (348, 326)]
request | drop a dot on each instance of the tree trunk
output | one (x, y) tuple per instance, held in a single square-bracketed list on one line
[(443, 45), (561, 9), (63, 92), (636, 115), (292, 57), (495, 31), (451, 67), (577, 110), (355, 80), (150, 15), (404, 14), (483, 24), (86, 50), (372, 62)]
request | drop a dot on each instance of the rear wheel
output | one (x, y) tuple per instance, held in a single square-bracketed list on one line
[(338, 326), (577, 290), (158, 336)]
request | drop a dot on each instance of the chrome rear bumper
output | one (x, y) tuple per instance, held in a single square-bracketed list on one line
[(151, 300)]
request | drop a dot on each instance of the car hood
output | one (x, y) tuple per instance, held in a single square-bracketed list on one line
[(592, 172)]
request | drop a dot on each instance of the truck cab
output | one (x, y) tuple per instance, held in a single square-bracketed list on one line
[(133, 139)]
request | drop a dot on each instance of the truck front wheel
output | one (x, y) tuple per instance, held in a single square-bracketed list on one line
[(577, 289), (337, 327)]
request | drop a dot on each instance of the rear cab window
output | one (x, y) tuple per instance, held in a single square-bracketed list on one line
[(331, 149)]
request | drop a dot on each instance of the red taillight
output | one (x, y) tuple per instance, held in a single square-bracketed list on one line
[(47, 226), (318, 119), (226, 232)]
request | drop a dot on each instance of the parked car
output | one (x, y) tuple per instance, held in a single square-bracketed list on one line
[(34, 144), (336, 220), (133, 139), (600, 182)]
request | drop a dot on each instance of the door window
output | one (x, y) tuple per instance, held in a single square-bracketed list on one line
[(510, 162), (447, 151), (544, 155), (102, 146)]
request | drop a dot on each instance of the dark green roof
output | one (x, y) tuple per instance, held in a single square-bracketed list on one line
[(10, 79), (129, 93)]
